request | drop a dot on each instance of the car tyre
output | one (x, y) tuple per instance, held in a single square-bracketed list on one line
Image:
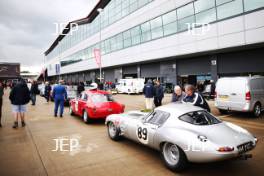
[(174, 157), (86, 118), (223, 111), (113, 131), (257, 110)]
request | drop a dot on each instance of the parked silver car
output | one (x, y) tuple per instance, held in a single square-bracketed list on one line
[(183, 133), (245, 94)]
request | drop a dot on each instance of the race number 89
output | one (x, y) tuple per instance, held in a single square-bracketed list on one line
[(142, 133)]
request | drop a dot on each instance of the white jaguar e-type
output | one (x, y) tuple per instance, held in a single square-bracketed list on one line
[(183, 133)]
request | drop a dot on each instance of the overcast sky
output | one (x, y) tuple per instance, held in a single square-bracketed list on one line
[(27, 27)]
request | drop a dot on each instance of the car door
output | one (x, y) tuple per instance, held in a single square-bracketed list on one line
[(82, 102), (146, 129), (237, 94)]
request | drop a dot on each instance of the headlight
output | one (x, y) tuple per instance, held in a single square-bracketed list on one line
[(225, 149)]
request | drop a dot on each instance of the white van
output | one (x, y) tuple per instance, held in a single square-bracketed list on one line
[(244, 94), (130, 86)]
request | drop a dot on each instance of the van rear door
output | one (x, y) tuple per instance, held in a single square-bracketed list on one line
[(237, 94), (223, 87)]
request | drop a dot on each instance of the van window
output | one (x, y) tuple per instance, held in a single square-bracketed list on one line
[(257, 84)]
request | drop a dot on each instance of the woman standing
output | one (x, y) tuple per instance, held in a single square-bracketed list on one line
[(19, 97)]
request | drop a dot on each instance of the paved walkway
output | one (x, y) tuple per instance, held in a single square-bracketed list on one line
[(28, 151)]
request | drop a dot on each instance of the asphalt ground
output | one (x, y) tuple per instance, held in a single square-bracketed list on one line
[(29, 151)]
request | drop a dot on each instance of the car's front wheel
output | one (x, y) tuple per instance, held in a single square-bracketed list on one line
[(86, 117), (71, 110), (174, 158), (113, 131)]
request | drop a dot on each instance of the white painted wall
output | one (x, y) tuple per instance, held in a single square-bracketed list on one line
[(238, 31)]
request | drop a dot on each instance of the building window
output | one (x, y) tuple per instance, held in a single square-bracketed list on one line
[(169, 23), (206, 16), (185, 23), (232, 8), (185, 16), (203, 5), (253, 4), (219, 2), (119, 41), (127, 39), (156, 28), (185, 11), (146, 32), (135, 35)]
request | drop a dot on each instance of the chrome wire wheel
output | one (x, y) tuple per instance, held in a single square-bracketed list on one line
[(85, 117), (112, 130), (171, 153)]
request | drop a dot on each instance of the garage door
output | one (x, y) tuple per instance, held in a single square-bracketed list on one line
[(241, 62), (109, 75), (194, 66), (150, 70)]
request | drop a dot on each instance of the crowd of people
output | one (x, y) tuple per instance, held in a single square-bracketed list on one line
[(154, 94), (21, 95)]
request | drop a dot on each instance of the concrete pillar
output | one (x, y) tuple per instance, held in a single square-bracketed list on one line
[(214, 71), (138, 71)]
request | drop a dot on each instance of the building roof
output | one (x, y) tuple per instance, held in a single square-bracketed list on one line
[(88, 19)]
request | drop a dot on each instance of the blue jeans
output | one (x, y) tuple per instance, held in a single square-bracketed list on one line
[(33, 99), (59, 103)]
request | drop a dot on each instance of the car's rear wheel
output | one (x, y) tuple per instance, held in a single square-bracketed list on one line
[(86, 117), (174, 157), (223, 111), (113, 131), (257, 110), (71, 110)]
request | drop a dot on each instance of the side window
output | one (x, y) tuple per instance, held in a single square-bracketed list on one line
[(84, 96), (158, 117)]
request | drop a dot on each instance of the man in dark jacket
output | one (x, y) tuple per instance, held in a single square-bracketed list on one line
[(195, 98), (47, 91), (59, 95), (148, 91), (19, 97), (159, 94), (33, 92), (80, 88)]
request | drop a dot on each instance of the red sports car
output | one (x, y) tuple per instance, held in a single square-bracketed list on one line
[(95, 104)]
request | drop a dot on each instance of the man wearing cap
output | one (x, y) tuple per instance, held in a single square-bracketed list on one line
[(59, 95)]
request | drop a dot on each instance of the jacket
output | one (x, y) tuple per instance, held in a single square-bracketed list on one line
[(148, 90), (197, 100), (59, 92), (34, 89), (159, 93), (176, 98), (20, 94), (47, 90)]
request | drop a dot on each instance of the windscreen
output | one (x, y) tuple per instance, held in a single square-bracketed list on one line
[(101, 98), (199, 118)]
